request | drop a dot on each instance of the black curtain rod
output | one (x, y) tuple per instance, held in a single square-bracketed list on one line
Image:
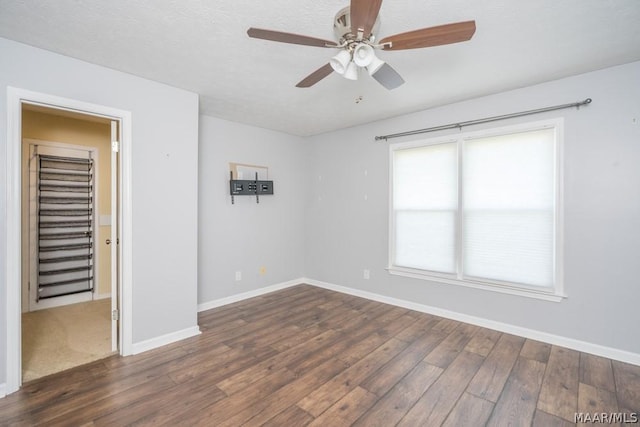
[(485, 120)]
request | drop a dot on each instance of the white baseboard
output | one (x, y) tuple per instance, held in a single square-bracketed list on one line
[(106, 295), (250, 294), (172, 337), (596, 349), (3, 390)]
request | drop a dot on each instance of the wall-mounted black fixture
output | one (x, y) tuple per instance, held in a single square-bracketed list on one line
[(247, 187)]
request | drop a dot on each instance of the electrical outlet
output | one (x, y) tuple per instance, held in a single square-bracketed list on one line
[(365, 274), (238, 276), (263, 270)]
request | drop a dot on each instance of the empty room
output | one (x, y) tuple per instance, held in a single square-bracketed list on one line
[(292, 213)]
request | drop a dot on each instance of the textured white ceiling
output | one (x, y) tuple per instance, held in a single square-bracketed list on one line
[(202, 46)]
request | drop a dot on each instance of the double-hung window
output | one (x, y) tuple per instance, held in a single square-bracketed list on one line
[(480, 209)]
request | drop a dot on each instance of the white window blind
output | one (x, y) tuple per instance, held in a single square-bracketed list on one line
[(425, 207), (509, 205), (480, 209)]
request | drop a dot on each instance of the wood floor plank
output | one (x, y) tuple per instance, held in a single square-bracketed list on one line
[(258, 306), (359, 350), (493, 374), (559, 393), (219, 412), (39, 393), (225, 364), (267, 306), (192, 397), (597, 372), (67, 404), (260, 369), (345, 411), (395, 404), (536, 350), (542, 419), (262, 337), (292, 416), (445, 325), (596, 400), (297, 339), (318, 316), (517, 403), (418, 328), (306, 355), (279, 400), (126, 398), (350, 337), (627, 378), (392, 372), (329, 393), (483, 341), (436, 403), (451, 346), (469, 411)]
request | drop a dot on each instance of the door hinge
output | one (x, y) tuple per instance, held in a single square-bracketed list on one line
[(115, 146), (115, 315)]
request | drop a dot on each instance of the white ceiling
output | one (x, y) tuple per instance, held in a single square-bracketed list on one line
[(202, 46)]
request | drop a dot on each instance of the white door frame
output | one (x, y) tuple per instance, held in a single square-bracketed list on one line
[(15, 99)]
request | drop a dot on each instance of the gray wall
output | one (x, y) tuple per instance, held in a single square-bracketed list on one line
[(347, 233), (246, 236), (165, 180)]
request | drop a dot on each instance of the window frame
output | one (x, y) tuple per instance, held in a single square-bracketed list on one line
[(554, 293)]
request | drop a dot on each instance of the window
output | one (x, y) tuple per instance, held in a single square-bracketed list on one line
[(481, 209)]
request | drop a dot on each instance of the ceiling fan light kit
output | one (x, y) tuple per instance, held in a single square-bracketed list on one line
[(341, 61), (374, 65), (363, 54), (351, 73), (355, 27)]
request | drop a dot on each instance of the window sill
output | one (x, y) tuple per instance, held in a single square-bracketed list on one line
[(494, 287)]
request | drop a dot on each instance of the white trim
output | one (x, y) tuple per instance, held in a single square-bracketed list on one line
[(587, 347), (504, 288), (105, 295), (125, 260), (115, 220), (150, 344), (559, 220), (13, 281), (3, 390), (15, 99), (250, 294)]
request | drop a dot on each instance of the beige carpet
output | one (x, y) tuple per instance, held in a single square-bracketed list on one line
[(60, 338)]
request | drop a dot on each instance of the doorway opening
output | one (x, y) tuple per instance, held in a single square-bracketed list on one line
[(67, 294), (49, 154)]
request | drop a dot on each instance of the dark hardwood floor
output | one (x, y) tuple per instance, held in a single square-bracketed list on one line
[(309, 356)]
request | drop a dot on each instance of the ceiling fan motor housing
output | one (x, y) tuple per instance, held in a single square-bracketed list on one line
[(342, 26)]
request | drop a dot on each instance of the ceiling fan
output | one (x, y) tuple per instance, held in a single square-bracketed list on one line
[(355, 27)]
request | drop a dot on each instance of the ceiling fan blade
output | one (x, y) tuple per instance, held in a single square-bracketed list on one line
[(316, 76), (432, 36), (279, 36), (388, 77), (363, 15)]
